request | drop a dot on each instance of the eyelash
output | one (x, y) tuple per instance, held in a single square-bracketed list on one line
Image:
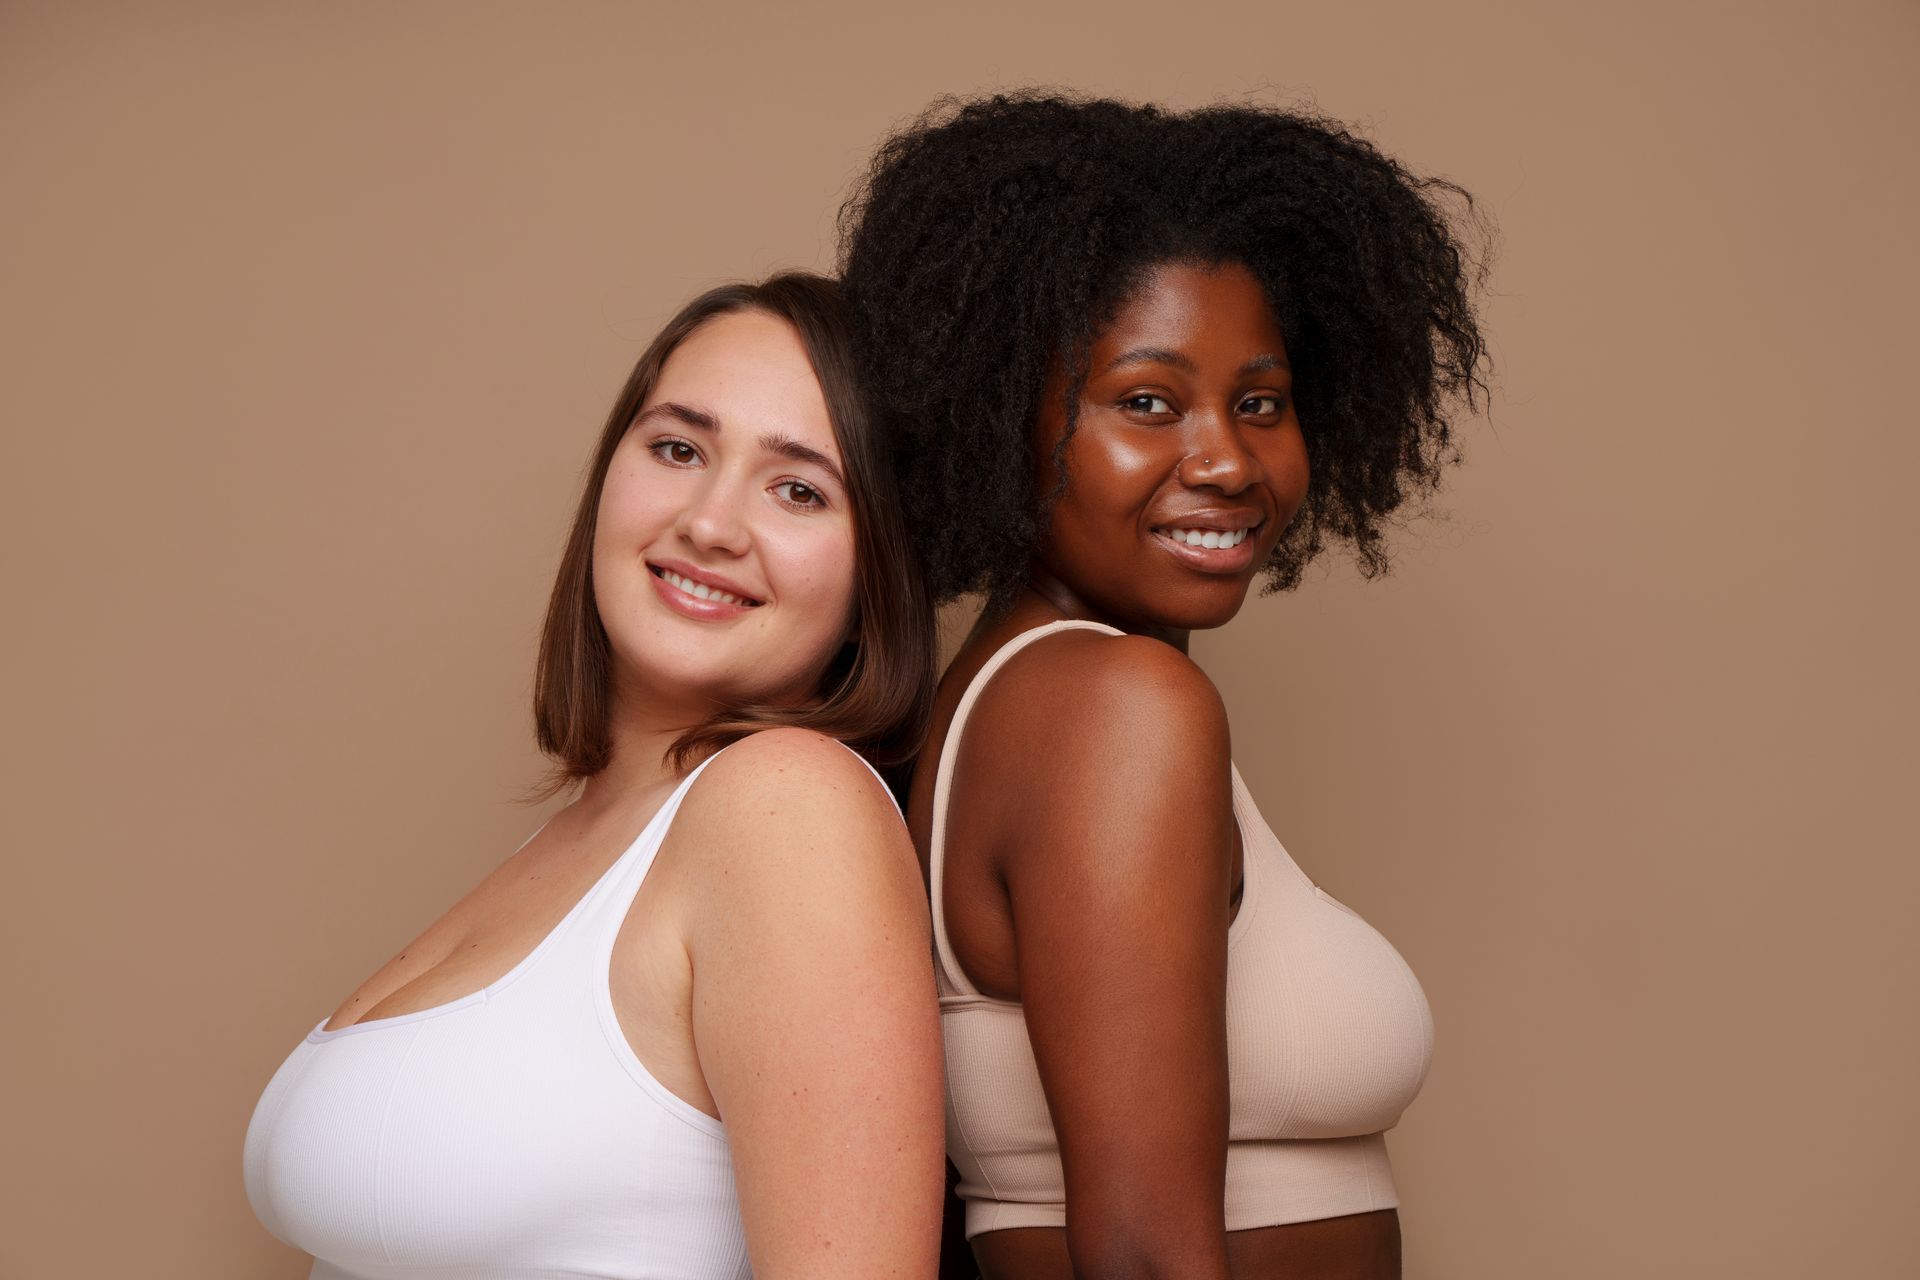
[(819, 499), (1130, 402), (663, 447), (660, 449)]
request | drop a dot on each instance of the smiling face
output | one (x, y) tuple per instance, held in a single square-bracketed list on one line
[(1187, 462), (723, 551)]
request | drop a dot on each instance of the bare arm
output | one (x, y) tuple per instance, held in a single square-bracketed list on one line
[(1118, 866), (814, 1013)]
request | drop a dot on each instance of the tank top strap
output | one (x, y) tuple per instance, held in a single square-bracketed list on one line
[(880, 778), (609, 901), (950, 971)]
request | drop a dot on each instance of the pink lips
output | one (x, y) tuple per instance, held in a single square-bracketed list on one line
[(693, 606)]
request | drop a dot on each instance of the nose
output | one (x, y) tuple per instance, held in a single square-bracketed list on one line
[(714, 518), (1217, 456)]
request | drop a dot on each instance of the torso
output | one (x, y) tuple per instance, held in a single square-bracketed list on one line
[(978, 918)]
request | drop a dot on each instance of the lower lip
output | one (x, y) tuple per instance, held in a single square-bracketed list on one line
[(1232, 559), (693, 606)]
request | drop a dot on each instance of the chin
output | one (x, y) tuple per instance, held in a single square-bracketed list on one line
[(1185, 610), (1207, 619), (724, 681), (1190, 605)]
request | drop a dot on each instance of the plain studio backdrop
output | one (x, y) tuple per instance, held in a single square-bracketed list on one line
[(310, 317)]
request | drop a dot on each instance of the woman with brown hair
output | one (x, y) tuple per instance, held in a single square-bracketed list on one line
[(1136, 359), (687, 1029)]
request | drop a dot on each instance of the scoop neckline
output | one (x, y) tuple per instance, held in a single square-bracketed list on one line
[(321, 1035)]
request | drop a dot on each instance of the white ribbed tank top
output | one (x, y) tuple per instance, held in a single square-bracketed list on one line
[(511, 1134)]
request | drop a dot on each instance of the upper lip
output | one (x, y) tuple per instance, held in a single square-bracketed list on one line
[(706, 577), (1217, 519)]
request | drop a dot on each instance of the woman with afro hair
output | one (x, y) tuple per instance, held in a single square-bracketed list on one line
[(1131, 360)]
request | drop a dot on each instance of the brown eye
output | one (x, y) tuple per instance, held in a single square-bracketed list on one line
[(1262, 406), (798, 493), (678, 452), (1145, 403)]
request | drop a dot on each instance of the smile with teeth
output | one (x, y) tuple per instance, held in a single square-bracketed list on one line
[(1207, 537), (700, 590)]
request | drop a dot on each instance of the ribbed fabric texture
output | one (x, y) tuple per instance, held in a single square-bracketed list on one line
[(508, 1135), (1328, 1039)]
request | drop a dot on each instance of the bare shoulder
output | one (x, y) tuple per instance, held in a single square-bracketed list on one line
[(1083, 687), (1102, 761), (776, 774), (788, 805)]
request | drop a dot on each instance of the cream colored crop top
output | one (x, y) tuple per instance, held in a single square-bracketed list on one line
[(1328, 1039)]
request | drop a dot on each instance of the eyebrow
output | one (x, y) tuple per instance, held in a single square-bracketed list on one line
[(685, 414), (1160, 355), (787, 447), (774, 442), (1150, 355)]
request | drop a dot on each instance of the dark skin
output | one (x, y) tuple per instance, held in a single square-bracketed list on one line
[(1092, 798)]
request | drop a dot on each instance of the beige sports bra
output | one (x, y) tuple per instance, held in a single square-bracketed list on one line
[(1328, 1040)]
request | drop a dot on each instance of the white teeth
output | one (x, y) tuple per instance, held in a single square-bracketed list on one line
[(1209, 537), (700, 590)]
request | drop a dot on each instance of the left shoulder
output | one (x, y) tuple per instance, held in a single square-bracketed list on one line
[(775, 775), (813, 1005), (791, 809)]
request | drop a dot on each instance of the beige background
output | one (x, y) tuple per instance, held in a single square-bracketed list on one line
[(309, 317)]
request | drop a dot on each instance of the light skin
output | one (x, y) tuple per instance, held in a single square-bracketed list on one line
[(773, 969), (1092, 795)]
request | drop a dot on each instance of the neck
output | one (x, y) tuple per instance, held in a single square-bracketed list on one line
[(644, 728), (1047, 591)]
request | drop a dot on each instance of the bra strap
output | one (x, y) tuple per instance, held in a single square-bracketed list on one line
[(950, 969)]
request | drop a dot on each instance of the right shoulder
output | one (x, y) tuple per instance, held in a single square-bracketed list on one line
[(1081, 686)]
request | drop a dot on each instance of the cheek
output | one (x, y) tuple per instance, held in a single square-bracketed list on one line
[(1290, 471), (812, 566), (635, 502), (1112, 473)]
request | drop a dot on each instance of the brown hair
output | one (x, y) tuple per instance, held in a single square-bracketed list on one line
[(876, 693)]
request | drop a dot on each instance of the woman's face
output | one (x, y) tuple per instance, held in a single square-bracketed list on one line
[(1187, 437), (723, 557)]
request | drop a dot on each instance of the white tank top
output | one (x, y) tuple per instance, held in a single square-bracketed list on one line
[(508, 1135)]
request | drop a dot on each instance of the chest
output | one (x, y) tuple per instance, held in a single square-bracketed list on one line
[(510, 1131), (483, 1140), (1328, 1031)]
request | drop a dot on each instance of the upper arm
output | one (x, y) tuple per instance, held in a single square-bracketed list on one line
[(814, 1012), (1118, 868)]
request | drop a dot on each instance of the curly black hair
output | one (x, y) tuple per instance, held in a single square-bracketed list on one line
[(992, 239)]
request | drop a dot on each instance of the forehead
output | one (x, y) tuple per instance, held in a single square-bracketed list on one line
[(1194, 309), (749, 370)]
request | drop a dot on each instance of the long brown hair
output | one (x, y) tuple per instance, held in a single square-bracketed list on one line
[(877, 691)]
